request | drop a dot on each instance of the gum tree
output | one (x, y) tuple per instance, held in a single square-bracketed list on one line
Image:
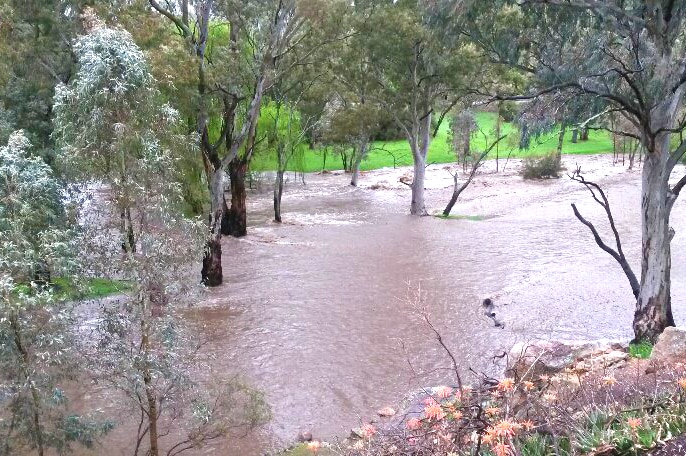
[(38, 349), (418, 66), (628, 54), (235, 81)]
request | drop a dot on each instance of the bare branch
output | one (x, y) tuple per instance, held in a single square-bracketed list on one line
[(618, 254)]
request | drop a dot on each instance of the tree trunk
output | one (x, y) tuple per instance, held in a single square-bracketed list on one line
[(150, 396), (35, 398), (453, 198), (358, 161), (235, 219), (420, 150), (575, 135), (584, 134), (560, 142), (126, 226), (418, 206), (212, 261), (278, 192), (653, 307)]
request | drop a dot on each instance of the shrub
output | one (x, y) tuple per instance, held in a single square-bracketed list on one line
[(543, 167), (509, 110), (641, 350)]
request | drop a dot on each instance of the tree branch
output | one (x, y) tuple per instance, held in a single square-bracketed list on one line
[(618, 255)]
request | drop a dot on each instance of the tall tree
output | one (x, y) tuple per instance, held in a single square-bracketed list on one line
[(264, 40), (35, 50), (630, 55), (418, 66), (38, 346)]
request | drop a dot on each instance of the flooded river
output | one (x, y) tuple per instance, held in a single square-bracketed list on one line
[(315, 311)]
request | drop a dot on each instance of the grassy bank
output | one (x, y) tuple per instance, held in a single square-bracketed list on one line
[(386, 154)]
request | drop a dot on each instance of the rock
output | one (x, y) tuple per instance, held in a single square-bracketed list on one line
[(305, 436), (613, 358), (386, 412), (528, 361), (670, 346)]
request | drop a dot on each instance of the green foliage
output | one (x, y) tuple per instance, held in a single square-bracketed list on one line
[(641, 350), (37, 344), (540, 168)]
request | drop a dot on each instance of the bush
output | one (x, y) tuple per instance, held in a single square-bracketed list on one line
[(543, 167), (641, 350), (509, 111)]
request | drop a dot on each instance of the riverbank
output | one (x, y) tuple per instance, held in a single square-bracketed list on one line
[(554, 398)]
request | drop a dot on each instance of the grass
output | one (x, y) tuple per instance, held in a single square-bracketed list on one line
[(641, 350), (384, 154), (67, 290), (474, 218)]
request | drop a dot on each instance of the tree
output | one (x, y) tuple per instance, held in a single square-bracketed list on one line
[(38, 349), (462, 126), (629, 55), (264, 41), (417, 65), (35, 50), (110, 121)]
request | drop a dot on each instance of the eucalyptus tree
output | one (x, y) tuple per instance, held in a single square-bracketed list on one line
[(629, 54), (35, 55), (113, 129), (259, 34), (418, 66), (38, 347)]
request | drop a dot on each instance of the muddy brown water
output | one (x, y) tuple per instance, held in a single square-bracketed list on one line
[(314, 311)]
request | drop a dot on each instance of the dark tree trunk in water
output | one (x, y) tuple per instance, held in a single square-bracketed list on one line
[(278, 192), (653, 307), (235, 223), (212, 261)]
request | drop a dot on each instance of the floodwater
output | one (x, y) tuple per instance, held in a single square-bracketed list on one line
[(320, 311)]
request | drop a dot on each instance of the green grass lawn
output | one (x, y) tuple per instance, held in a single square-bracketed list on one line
[(382, 153)]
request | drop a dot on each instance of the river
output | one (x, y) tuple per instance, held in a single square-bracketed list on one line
[(315, 311)]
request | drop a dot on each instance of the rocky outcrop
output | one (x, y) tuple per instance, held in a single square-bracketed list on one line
[(670, 347), (530, 360)]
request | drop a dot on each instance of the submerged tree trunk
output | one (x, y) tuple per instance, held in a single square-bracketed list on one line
[(235, 219), (653, 307), (420, 148), (278, 193), (362, 153), (418, 206), (212, 261)]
